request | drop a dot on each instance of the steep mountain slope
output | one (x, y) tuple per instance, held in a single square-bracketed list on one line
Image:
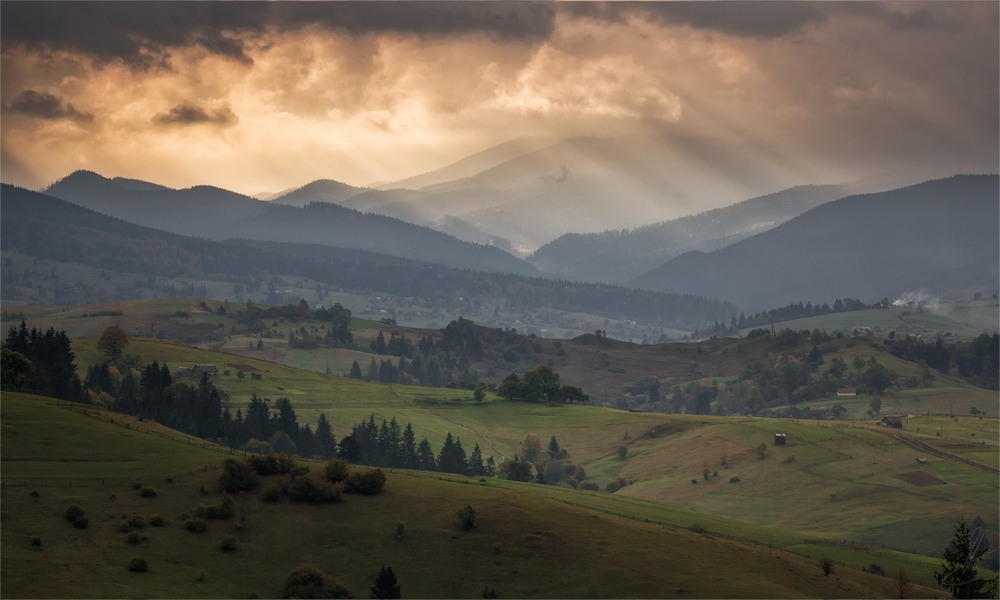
[(940, 236), (470, 165), (617, 256), (588, 184), (218, 214)]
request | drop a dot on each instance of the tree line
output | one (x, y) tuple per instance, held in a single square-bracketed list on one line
[(389, 445), (41, 362)]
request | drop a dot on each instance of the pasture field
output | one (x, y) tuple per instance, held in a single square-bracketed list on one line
[(529, 540), (962, 320), (832, 481)]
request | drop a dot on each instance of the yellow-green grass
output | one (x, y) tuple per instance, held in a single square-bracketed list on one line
[(524, 545), (44, 440), (664, 452)]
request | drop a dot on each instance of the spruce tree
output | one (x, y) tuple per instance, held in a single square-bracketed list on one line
[(960, 570)]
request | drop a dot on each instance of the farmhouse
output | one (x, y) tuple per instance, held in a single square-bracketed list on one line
[(848, 391), (888, 421), (197, 371)]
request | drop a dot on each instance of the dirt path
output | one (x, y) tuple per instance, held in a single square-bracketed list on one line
[(929, 449)]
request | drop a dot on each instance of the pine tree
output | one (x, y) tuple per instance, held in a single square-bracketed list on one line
[(425, 456), (408, 449), (452, 457), (475, 464), (326, 444), (385, 584), (960, 571)]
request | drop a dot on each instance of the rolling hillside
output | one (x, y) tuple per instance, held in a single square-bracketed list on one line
[(521, 538), (940, 237)]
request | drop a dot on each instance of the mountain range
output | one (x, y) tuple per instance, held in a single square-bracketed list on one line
[(867, 240), (939, 236), (528, 192), (218, 214)]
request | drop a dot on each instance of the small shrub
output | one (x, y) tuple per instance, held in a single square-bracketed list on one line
[(224, 510), (196, 525), (81, 522), (73, 512), (589, 485), (367, 483), (138, 565), (337, 470), (133, 539), (307, 490), (36, 542), (148, 492), (34, 494), (237, 476), (156, 521), (400, 528), (465, 518), (875, 569), (827, 565), (272, 464), (137, 485), (613, 486), (137, 521), (734, 480), (229, 545)]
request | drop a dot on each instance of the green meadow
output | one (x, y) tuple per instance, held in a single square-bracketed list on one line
[(529, 540)]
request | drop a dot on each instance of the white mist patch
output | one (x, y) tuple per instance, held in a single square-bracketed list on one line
[(922, 299)]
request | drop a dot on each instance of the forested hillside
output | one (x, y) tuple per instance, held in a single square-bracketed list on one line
[(218, 214), (940, 237), (39, 225), (616, 256)]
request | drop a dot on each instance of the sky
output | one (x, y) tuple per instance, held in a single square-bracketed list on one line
[(265, 96)]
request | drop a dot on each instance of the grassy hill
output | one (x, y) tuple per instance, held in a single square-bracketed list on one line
[(530, 541), (834, 482)]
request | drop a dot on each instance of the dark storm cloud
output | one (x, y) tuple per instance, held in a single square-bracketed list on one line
[(142, 33), (46, 106), (739, 18), (190, 114)]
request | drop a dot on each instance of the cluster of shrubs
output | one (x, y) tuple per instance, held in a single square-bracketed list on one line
[(77, 516), (616, 484), (237, 476)]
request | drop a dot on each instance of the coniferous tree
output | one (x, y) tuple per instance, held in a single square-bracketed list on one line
[(355, 371), (960, 570), (385, 584), (408, 449), (452, 457), (326, 443), (425, 456), (475, 466)]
